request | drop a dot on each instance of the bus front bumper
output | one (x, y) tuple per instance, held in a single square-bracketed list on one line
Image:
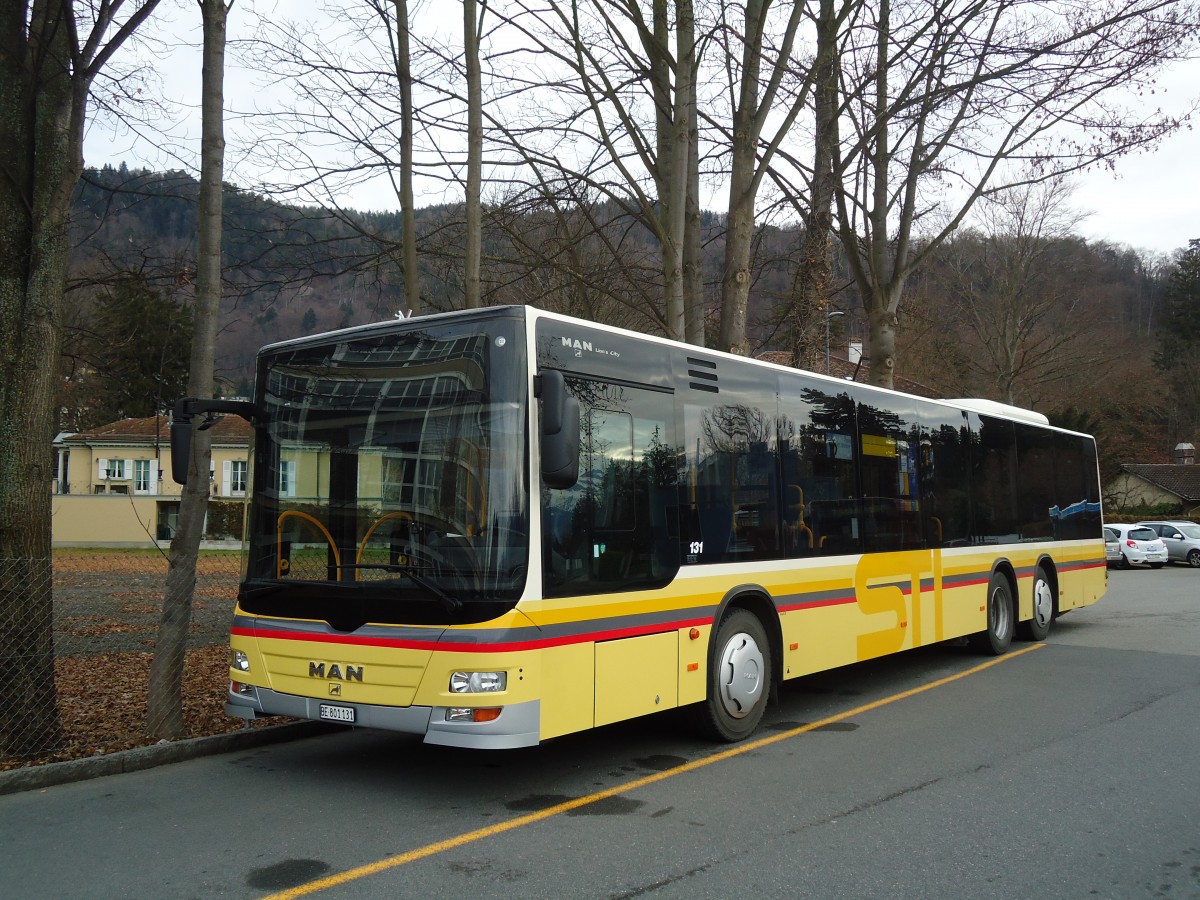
[(518, 724)]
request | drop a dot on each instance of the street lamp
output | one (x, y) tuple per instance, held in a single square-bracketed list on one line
[(832, 314)]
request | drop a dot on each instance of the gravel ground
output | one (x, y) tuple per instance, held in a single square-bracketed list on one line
[(106, 611), (110, 602)]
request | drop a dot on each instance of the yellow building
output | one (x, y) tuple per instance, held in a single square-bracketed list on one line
[(113, 485)]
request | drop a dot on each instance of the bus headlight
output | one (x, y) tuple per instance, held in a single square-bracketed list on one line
[(478, 682), (239, 660)]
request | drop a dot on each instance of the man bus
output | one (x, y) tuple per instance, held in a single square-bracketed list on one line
[(494, 527)]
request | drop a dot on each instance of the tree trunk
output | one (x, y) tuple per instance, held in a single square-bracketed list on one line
[(812, 289), (44, 83), (41, 127), (408, 238), (735, 284), (164, 712), (474, 236), (676, 167), (693, 263), (881, 339)]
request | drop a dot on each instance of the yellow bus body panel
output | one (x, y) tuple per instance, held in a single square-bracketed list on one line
[(568, 703), (636, 676), (611, 662)]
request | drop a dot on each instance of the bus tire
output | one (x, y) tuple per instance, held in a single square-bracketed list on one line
[(739, 678), (1037, 628), (996, 639)]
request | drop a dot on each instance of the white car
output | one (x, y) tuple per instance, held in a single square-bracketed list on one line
[(1182, 539), (1140, 546)]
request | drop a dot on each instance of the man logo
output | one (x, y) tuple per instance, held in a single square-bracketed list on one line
[(577, 345), (336, 671)]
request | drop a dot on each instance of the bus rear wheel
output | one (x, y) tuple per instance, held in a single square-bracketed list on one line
[(996, 639), (1037, 628), (739, 678)]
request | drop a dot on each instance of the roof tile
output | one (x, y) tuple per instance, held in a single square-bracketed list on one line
[(1184, 481), (229, 429)]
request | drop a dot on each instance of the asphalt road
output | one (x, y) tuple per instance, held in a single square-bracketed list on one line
[(1067, 769)]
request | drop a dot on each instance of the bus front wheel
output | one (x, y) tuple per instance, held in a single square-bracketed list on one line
[(739, 678), (999, 634)]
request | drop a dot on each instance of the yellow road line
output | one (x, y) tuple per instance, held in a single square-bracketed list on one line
[(479, 834)]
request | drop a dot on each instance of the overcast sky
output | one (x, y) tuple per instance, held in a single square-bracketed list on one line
[(1149, 201)]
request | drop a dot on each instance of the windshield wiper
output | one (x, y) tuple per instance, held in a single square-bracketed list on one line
[(449, 602)]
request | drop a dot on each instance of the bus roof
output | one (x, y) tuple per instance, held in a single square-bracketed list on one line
[(992, 408), (978, 405)]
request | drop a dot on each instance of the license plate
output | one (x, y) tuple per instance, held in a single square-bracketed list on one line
[(337, 713)]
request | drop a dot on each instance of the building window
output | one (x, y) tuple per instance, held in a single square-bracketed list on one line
[(287, 478), (116, 469), (142, 476), (237, 477)]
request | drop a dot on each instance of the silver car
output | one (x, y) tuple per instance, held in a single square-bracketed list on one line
[(1182, 540), (1112, 547)]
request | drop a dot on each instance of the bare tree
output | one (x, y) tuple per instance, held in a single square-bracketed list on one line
[(164, 707), (809, 189), (369, 83), (622, 99), (758, 90), (1016, 298), (944, 103), (1179, 340), (49, 61)]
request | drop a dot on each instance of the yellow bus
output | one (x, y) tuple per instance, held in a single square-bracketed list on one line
[(494, 527)]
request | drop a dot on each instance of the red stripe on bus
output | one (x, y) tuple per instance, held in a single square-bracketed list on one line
[(471, 647), (832, 601)]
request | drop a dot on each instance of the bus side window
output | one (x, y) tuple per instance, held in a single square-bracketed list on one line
[(609, 531), (733, 483), (820, 513)]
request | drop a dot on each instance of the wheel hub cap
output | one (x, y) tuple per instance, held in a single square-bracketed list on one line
[(741, 675), (1043, 602)]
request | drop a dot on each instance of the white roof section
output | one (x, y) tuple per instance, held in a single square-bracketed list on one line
[(992, 408)]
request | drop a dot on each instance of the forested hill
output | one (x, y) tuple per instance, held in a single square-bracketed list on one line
[(294, 270), (1087, 313), (289, 270)]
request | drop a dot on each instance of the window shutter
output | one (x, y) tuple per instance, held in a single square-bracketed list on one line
[(226, 478), (101, 469), (153, 476), (129, 473)]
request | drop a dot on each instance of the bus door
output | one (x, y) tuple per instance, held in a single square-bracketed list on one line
[(608, 535)]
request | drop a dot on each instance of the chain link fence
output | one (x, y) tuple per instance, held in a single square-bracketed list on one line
[(77, 636)]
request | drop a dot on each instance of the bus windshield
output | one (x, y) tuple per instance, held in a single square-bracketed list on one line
[(389, 480)]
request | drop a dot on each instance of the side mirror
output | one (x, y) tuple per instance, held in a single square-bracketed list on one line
[(183, 426), (559, 431), (181, 443)]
